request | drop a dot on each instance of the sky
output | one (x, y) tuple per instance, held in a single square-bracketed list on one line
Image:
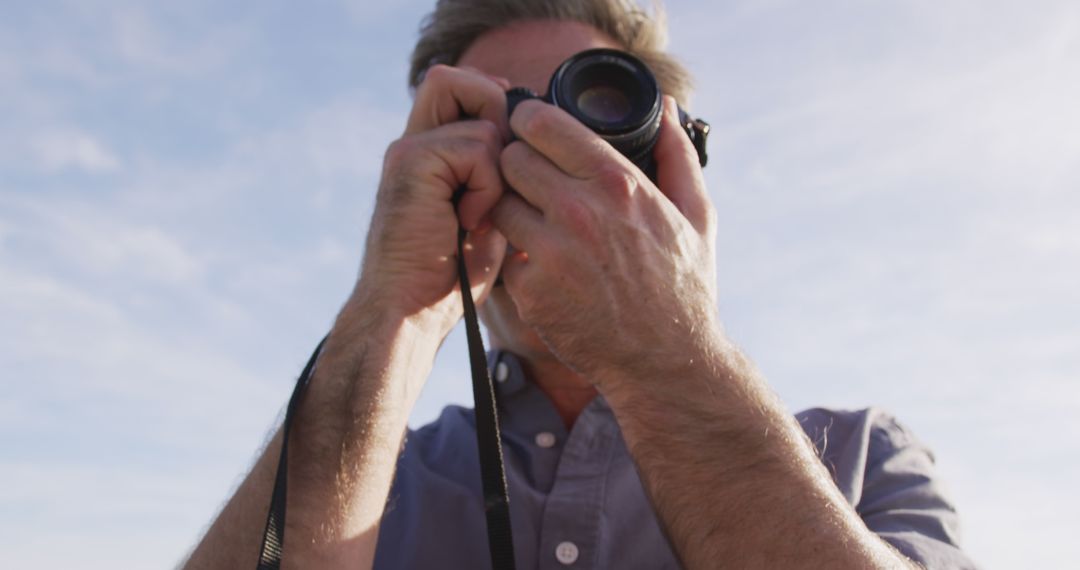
[(185, 189)]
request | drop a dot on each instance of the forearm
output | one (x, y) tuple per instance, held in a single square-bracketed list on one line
[(343, 449), (733, 478)]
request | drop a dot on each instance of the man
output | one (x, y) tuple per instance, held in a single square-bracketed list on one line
[(636, 435)]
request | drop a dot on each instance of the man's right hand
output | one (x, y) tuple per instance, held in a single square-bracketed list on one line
[(410, 264), (353, 417)]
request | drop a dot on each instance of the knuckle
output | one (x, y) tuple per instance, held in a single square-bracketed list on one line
[(511, 155), (436, 75), (580, 218), (539, 123), (472, 150), (397, 152), (618, 183), (488, 132)]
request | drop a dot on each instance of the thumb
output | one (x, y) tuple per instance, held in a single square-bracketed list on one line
[(678, 173)]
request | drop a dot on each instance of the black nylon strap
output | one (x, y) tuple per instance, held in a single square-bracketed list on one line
[(492, 474), (273, 542)]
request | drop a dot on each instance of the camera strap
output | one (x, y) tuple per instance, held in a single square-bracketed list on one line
[(273, 541), (488, 440), (492, 472)]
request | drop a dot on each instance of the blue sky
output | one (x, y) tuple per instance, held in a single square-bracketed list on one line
[(185, 188)]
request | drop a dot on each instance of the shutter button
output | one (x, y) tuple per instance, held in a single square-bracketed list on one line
[(566, 552)]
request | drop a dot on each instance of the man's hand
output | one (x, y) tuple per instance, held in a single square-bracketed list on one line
[(617, 276), (409, 266), (603, 251), (345, 442)]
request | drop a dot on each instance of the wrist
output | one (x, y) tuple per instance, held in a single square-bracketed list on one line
[(700, 356), (425, 314), (382, 351)]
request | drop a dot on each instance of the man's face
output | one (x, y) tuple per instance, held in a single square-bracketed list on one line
[(527, 54)]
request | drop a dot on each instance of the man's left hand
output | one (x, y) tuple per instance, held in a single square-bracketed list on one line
[(610, 269)]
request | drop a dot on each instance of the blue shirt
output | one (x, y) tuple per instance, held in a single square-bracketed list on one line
[(576, 500)]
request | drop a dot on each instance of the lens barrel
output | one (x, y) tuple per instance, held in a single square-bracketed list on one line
[(614, 94)]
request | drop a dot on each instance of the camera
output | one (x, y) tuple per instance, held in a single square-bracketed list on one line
[(617, 97)]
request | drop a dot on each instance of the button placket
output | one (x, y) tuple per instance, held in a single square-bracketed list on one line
[(570, 528)]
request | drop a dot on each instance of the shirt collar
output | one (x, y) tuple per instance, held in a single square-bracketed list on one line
[(508, 375), (506, 372)]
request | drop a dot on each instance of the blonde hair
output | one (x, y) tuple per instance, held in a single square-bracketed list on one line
[(452, 27)]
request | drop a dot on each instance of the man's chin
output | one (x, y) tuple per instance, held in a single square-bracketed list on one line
[(505, 329)]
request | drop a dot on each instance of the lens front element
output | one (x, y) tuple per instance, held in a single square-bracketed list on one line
[(604, 103)]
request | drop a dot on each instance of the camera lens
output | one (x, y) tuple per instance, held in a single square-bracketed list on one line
[(614, 94), (604, 103)]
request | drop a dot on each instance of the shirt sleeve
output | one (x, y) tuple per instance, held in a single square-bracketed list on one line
[(889, 477), (903, 499)]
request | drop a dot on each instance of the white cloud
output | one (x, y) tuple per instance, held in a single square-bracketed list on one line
[(72, 149), (173, 40), (108, 411), (148, 512), (76, 234), (898, 224), (345, 137), (333, 252), (896, 184)]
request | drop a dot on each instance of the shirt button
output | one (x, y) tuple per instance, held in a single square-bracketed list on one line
[(545, 439), (502, 372), (566, 552)]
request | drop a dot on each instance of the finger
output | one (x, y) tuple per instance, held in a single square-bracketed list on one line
[(678, 172), (502, 81), (533, 176), (466, 154), (570, 145), (522, 224), (449, 94), (485, 184)]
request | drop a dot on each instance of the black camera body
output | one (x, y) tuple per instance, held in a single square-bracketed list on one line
[(617, 97)]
